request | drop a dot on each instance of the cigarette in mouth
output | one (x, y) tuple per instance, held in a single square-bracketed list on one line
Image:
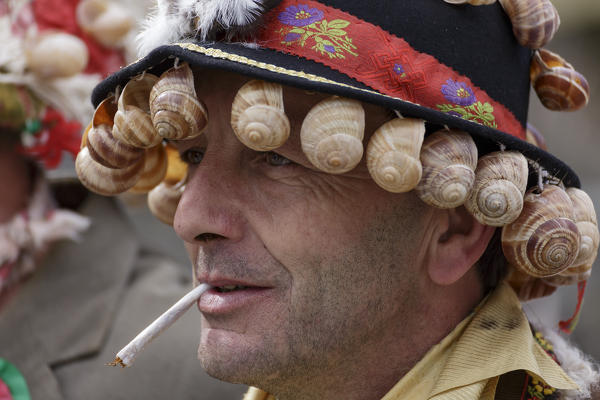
[(126, 356)]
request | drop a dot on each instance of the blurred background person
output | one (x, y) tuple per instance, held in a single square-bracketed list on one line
[(65, 307)]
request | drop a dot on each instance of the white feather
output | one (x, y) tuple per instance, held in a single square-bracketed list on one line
[(580, 368), (176, 20)]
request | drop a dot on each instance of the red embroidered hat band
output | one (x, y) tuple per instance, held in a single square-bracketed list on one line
[(380, 60)]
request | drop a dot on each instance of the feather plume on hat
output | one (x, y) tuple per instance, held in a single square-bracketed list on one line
[(173, 20)]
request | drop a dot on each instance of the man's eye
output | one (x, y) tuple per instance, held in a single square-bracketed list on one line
[(192, 156), (276, 159)]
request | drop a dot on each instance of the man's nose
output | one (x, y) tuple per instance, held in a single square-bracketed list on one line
[(211, 205)]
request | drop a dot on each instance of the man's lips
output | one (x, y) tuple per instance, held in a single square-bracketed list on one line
[(227, 296)]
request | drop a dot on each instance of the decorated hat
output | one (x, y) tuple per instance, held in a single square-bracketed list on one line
[(457, 73), (53, 53)]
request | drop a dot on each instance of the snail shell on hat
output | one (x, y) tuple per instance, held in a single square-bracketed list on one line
[(110, 152), (585, 218), (176, 111), (449, 158), (257, 116), (155, 169), (133, 123), (500, 183), (103, 180), (106, 21), (544, 240), (528, 287), (534, 21), (557, 84), (332, 134), (393, 154), (164, 199), (565, 279), (104, 148), (534, 137), (57, 55), (471, 2)]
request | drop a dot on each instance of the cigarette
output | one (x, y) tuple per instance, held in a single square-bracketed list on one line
[(126, 356)]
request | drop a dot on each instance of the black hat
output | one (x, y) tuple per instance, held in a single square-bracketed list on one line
[(451, 65)]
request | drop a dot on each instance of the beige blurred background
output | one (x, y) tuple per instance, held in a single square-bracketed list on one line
[(573, 137)]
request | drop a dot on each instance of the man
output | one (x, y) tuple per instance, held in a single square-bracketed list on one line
[(329, 281)]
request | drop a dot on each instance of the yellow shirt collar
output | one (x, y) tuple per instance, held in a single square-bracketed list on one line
[(494, 340)]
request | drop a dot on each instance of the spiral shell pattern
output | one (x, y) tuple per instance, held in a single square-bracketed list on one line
[(449, 158), (332, 134), (585, 218), (155, 169), (133, 124), (110, 152), (544, 240), (103, 180), (393, 154), (500, 183), (558, 85), (176, 111), (534, 21), (258, 117), (163, 201)]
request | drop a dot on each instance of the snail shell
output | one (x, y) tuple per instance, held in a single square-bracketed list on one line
[(534, 137), (562, 89), (103, 180), (164, 199), (534, 21), (257, 116), (155, 169), (393, 154), (133, 124), (106, 21), (471, 2), (57, 55), (175, 109), (332, 134), (557, 84), (500, 183), (585, 218), (564, 279), (449, 159), (110, 152), (528, 287), (544, 240)]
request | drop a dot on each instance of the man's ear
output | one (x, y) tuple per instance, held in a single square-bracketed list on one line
[(458, 242)]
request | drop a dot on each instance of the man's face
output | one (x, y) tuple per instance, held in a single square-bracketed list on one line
[(329, 264)]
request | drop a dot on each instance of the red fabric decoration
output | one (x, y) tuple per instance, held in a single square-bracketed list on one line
[(569, 325), (380, 60), (60, 15), (56, 135)]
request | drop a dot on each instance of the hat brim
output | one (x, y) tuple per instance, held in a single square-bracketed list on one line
[(294, 71)]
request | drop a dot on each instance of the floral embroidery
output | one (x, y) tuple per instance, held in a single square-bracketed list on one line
[(301, 15), (304, 23), (538, 390), (465, 105), (399, 70)]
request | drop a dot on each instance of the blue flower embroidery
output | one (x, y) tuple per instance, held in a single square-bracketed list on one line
[(300, 15), (458, 93), (399, 70)]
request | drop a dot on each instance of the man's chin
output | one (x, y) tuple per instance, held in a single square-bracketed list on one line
[(234, 358)]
